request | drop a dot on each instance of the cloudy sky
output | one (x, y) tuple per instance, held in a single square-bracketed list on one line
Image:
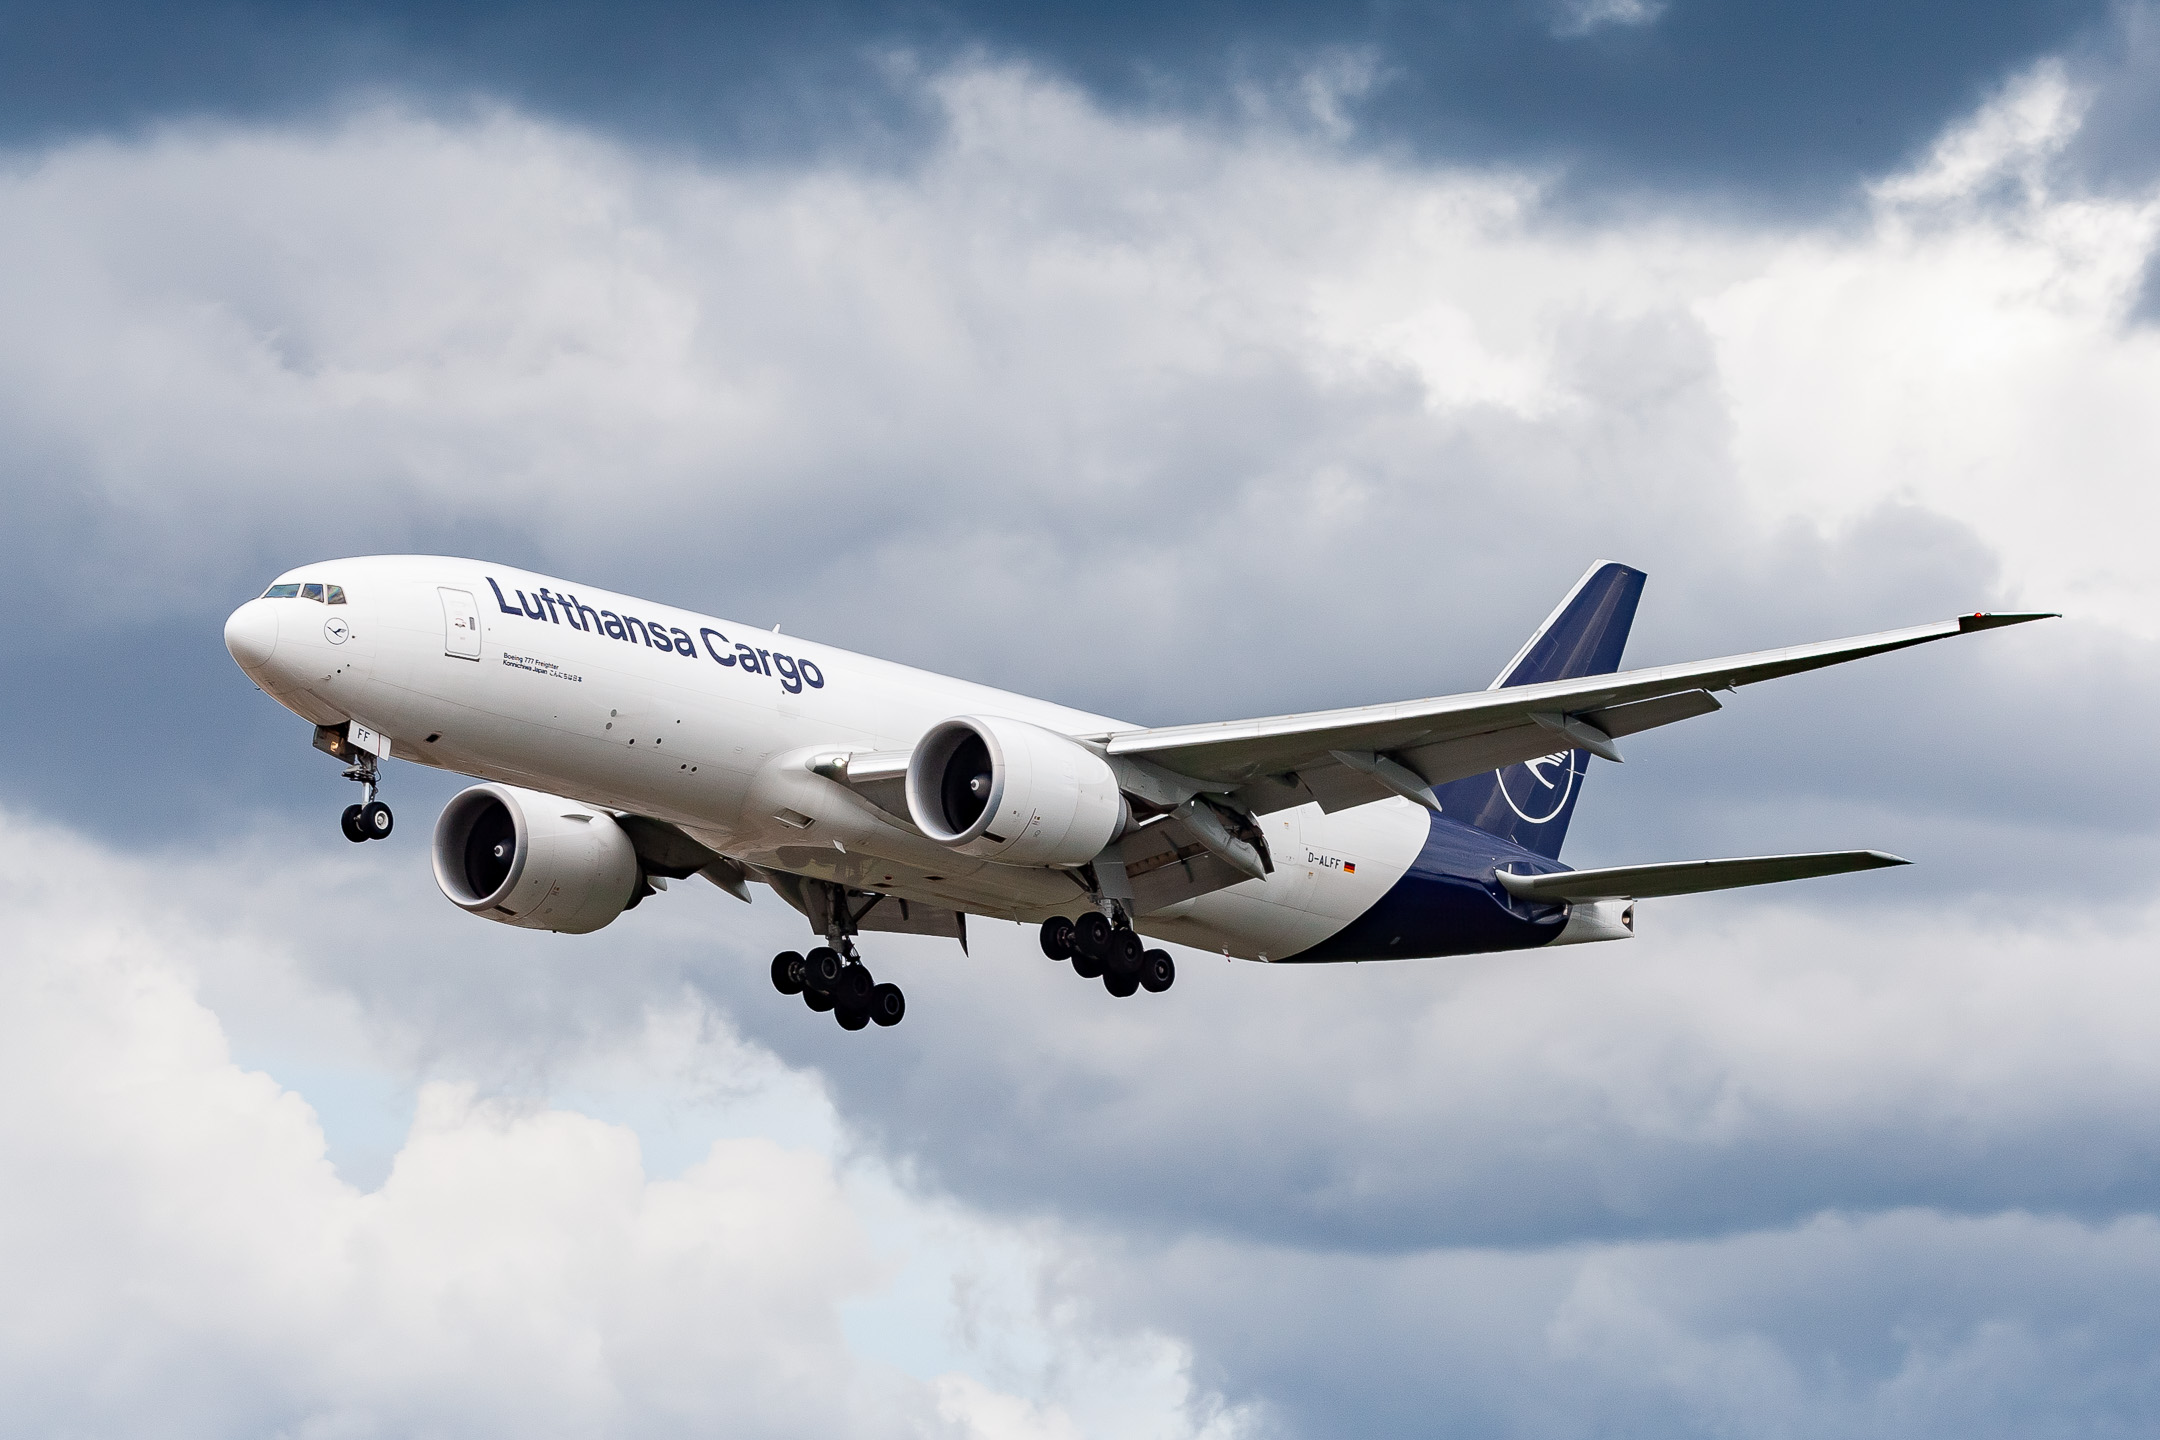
[(1243, 360)]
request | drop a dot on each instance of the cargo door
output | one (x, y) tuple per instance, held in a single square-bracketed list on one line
[(461, 624)]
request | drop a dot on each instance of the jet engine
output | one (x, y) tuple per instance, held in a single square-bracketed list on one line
[(519, 857), (1009, 791)]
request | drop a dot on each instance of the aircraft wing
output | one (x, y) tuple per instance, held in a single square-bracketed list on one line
[(1351, 757), (1689, 877)]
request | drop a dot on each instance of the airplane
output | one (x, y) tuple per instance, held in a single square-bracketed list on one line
[(621, 744)]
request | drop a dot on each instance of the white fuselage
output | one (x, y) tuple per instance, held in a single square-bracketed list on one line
[(714, 733)]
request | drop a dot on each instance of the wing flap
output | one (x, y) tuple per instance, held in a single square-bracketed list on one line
[(1690, 877), (1641, 715)]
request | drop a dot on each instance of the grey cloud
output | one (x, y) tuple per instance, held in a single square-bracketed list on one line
[(1280, 1151), (2145, 306), (2120, 68), (1673, 1087), (1905, 1324), (1676, 1085), (1088, 363), (1066, 354), (1780, 105)]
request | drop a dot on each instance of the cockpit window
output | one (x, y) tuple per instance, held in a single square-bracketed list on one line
[(337, 594), (311, 592), (281, 592)]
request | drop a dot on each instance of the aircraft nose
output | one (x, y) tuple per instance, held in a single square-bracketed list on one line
[(251, 634)]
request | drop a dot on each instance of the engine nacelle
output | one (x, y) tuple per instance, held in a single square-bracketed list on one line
[(519, 857), (1009, 791)]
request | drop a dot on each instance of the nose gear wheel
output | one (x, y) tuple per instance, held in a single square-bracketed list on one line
[(371, 818)]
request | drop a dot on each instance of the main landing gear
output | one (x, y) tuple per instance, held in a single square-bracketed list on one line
[(371, 819), (1111, 952), (828, 980)]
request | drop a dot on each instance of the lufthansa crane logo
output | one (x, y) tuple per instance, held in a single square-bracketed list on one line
[(1538, 790), (335, 630)]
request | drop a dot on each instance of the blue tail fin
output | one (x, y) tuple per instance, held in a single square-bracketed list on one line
[(1531, 804)]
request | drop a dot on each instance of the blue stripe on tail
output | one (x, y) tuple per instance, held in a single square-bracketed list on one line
[(1531, 804)]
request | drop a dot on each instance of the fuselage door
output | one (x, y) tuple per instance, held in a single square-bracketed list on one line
[(461, 623)]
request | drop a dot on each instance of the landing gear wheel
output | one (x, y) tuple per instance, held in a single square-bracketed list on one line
[(854, 987), (1121, 969), (1087, 967), (375, 821), (1156, 971), (821, 970), (1091, 936), (787, 968), (818, 1000), (349, 822), (851, 1017), (1057, 938), (887, 1004)]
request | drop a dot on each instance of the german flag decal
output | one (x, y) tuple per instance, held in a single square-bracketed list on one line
[(1348, 868)]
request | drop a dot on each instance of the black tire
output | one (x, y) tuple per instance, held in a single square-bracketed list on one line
[(376, 820), (1091, 936), (1087, 967), (1126, 948), (1121, 972), (349, 822), (818, 1000), (1157, 972), (851, 1017), (887, 1004), (1057, 938), (821, 970), (854, 986), (787, 973)]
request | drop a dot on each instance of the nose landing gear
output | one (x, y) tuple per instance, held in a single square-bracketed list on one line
[(371, 819)]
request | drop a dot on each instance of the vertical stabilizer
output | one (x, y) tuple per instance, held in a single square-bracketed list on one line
[(1532, 803)]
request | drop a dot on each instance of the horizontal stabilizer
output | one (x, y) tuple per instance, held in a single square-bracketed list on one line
[(1690, 877)]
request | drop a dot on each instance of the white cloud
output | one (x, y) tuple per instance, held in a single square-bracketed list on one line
[(1266, 1214), (1060, 336), (1972, 356), (2013, 137), (1274, 424), (182, 1256), (1575, 18)]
